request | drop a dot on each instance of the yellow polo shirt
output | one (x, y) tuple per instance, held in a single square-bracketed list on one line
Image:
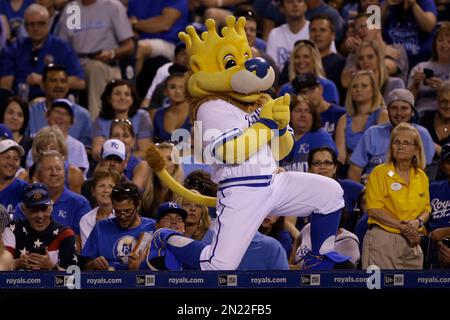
[(388, 191)]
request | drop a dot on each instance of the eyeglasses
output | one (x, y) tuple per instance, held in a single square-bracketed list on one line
[(326, 163), (196, 184), (124, 213), (39, 24), (399, 143)]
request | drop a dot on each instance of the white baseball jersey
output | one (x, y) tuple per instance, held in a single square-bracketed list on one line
[(221, 121)]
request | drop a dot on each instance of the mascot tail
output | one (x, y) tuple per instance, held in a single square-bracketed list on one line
[(156, 161)]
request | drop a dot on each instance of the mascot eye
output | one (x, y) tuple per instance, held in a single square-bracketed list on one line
[(229, 61)]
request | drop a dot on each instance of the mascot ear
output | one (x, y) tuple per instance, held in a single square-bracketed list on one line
[(195, 64)]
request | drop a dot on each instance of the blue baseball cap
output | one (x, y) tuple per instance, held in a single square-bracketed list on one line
[(64, 103), (36, 194), (170, 207), (5, 132)]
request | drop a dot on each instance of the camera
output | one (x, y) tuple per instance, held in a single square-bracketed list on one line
[(446, 241), (428, 73)]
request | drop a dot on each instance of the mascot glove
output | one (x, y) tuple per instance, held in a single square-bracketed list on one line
[(280, 111)]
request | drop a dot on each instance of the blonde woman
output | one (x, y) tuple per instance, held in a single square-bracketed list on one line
[(364, 107), (305, 58), (398, 204), (155, 192), (369, 56), (51, 138), (198, 220)]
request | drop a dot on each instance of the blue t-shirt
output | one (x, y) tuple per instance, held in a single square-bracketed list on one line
[(401, 27), (330, 92), (352, 138), (18, 61), (131, 165), (67, 210), (109, 240), (141, 125), (80, 130), (330, 117), (15, 18), (12, 195), (440, 205), (145, 9), (372, 148), (158, 125), (298, 158)]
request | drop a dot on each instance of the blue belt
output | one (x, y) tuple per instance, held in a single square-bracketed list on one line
[(250, 181)]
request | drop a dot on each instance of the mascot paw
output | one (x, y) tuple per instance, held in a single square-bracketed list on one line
[(280, 111), (154, 158)]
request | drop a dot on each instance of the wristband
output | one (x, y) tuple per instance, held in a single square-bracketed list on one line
[(268, 123), (282, 131)]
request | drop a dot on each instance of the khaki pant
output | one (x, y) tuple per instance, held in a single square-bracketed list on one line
[(97, 75), (389, 251)]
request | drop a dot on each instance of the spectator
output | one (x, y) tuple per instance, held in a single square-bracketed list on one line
[(112, 240), (6, 258), (280, 40), (114, 157), (99, 44), (310, 88), (176, 116), (51, 138), (103, 181), (171, 216), (200, 180), (25, 60), (273, 226), (53, 14), (372, 147), (157, 193), (439, 223), (398, 204), (120, 101), (55, 85), (198, 221), (136, 170), (308, 135), (68, 207), (11, 188), (316, 7), (157, 23), (15, 115), (426, 77), (369, 56), (305, 58), (14, 13), (410, 23), (38, 242), (364, 108)]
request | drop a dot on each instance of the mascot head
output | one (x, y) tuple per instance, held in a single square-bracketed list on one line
[(223, 65)]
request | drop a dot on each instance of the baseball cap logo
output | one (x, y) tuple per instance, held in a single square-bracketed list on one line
[(37, 196), (115, 145), (173, 205)]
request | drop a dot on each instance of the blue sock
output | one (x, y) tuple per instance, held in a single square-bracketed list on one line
[(187, 253), (323, 226)]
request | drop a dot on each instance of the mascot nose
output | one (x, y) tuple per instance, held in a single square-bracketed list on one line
[(259, 65)]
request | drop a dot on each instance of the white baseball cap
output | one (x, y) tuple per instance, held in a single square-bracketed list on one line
[(114, 147), (7, 144)]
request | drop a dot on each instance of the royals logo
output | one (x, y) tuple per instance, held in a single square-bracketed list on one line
[(123, 247)]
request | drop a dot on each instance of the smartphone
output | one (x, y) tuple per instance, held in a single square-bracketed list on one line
[(446, 241), (428, 73)]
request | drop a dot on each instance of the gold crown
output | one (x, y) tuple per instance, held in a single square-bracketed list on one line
[(233, 32)]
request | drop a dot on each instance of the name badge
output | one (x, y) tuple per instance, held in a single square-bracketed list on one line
[(396, 186)]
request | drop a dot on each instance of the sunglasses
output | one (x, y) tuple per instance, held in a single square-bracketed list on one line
[(126, 121), (198, 185), (123, 190)]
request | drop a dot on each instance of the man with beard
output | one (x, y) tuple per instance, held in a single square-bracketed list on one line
[(113, 240), (56, 86)]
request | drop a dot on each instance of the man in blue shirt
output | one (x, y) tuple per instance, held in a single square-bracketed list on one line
[(23, 62), (372, 147), (113, 240), (68, 207), (56, 86), (11, 188)]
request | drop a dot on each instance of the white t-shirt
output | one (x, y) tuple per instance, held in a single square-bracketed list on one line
[(220, 121), (87, 223), (346, 243), (281, 42)]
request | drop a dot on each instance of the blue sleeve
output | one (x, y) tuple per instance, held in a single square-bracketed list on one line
[(359, 156), (71, 62), (18, 214), (428, 6), (8, 62), (90, 248), (278, 259), (132, 8), (99, 130), (330, 92)]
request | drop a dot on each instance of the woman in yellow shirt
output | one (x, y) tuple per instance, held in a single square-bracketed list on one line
[(398, 204)]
